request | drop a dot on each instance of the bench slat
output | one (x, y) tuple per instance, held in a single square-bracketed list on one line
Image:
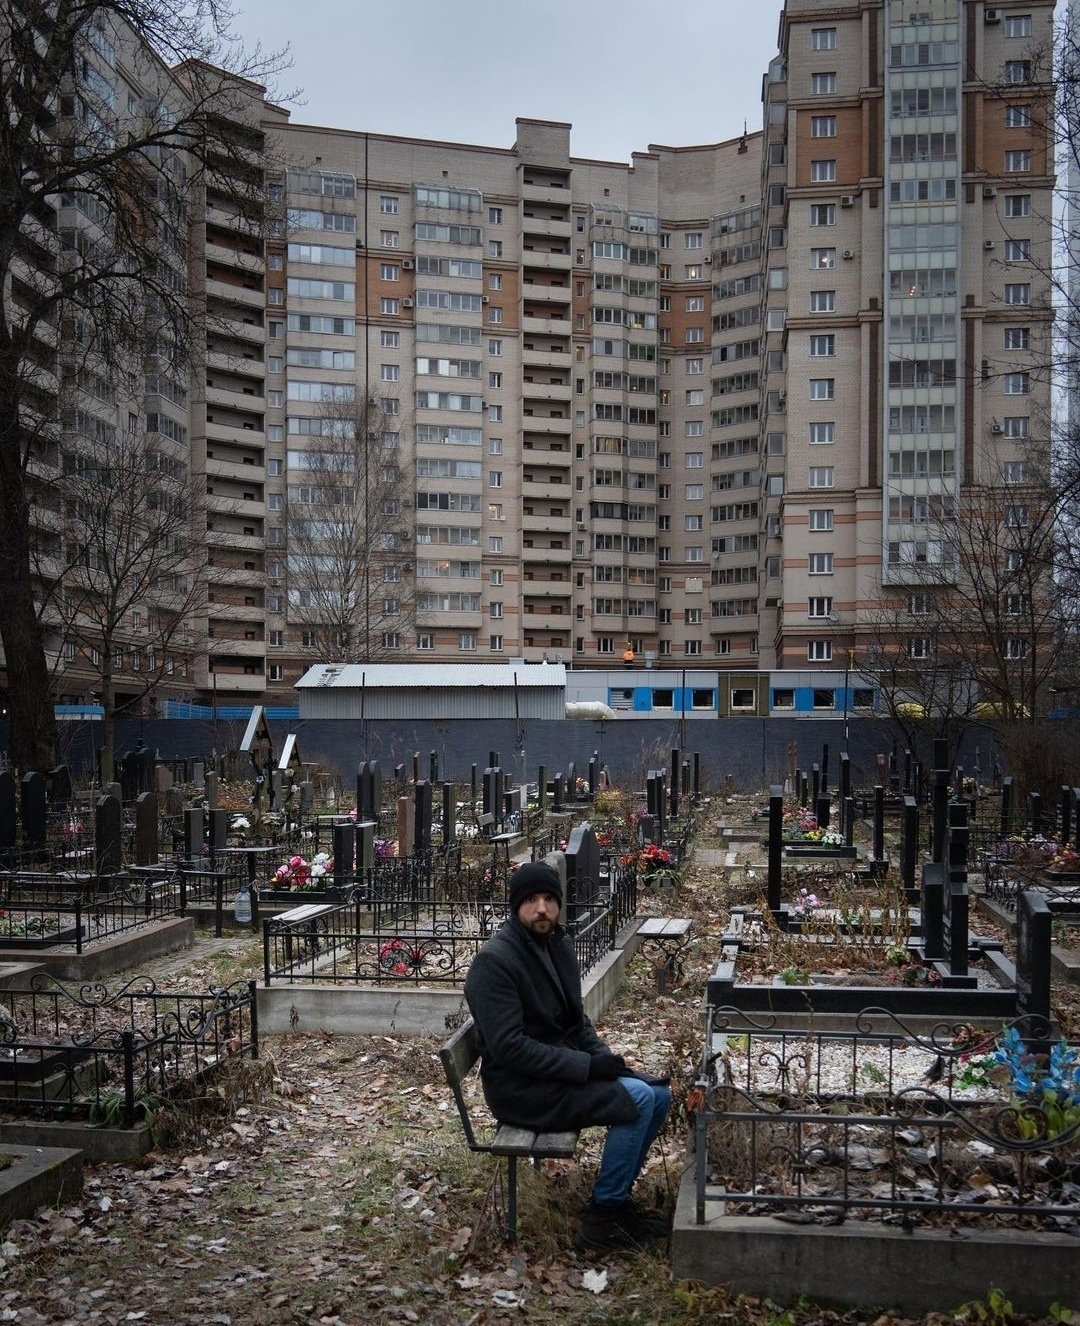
[(660, 927), (310, 911)]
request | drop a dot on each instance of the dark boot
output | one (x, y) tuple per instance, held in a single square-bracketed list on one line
[(616, 1225)]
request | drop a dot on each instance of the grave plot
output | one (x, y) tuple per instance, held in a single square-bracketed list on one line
[(102, 1056), (837, 955)]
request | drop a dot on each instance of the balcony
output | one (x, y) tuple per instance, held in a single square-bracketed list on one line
[(250, 365), (548, 589), (228, 538), (550, 294), (219, 684), (246, 434), (246, 262), (235, 397), (249, 296), (238, 507), (543, 424), (559, 194), (549, 262), (542, 520), (538, 620), (550, 556), (542, 225), (545, 490), (550, 326), (545, 358), (243, 330), (219, 645), (546, 391)]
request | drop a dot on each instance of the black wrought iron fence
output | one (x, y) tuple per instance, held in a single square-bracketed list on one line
[(893, 1125), (109, 1056)]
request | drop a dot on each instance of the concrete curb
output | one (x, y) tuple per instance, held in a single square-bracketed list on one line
[(39, 1176)]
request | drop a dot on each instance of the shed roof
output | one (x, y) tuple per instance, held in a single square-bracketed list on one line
[(398, 676)]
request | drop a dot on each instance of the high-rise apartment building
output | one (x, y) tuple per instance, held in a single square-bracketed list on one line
[(716, 407)]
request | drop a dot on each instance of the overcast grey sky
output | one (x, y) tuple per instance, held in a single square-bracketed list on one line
[(624, 74)]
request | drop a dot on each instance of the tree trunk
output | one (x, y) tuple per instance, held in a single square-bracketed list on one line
[(30, 698)]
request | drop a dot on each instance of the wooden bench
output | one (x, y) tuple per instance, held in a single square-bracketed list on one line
[(459, 1056), (301, 925), (664, 940)]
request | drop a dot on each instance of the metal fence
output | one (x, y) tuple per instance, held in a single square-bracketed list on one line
[(892, 1125), (109, 1056)]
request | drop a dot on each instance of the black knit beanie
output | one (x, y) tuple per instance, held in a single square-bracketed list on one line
[(536, 877)]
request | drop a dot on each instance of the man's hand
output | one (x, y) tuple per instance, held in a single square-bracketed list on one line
[(606, 1067)]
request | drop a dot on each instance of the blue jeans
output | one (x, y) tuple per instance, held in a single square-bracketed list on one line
[(628, 1144)]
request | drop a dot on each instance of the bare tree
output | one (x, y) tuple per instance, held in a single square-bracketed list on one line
[(127, 587), (112, 109), (350, 562)]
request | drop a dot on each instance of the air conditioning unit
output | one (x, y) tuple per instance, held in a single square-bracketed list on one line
[(995, 428), (581, 527), (988, 244), (706, 259), (848, 253), (991, 15), (989, 192), (847, 200), (483, 299), (406, 264), (406, 303)]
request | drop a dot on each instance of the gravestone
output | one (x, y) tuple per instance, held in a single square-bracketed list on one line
[(163, 778), (956, 892), (416, 767), (34, 811), (512, 804), (673, 791), (1033, 939), (940, 814), (449, 815), (849, 822), (194, 833), (344, 838), (422, 816), (406, 819), (594, 775), (1035, 813), (433, 766), (845, 787), (368, 790), (907, 771), (933, 910), (1005, 819), (582, 871), (879, 823), (1064, 814), (212, 790), (307, 798), (804, 789), (60, 790), (823, 810), (198, 774), (172, 801), (776, 853), (365, 849), (909, 842), (218, 832), (557, 794), (147, 847), (107, 841), (491, 790), (815, 786), (542, 789), (9, 815)]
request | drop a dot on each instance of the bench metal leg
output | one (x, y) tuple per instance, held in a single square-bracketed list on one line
[(511, 1198)]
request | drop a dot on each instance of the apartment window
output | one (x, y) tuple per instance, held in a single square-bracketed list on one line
[(389, 340), (1018, 161), (273, 468), (1017, 71), (495, 348), (275, 295), (390, 405), (1015, 426), (495, 543), (388, 203), (275, 262), (822, 260), (823, 84), (819, 606), (1016, 517), (389, 305), (822, 389), (822, 301), (389, 271), (694, 428), (425, 640), (1014, 471), (819, 651), (274, 502), (495, 315), (693, 524), (275, 639), (692, 239), (822, 433), (1017, 338), (275, 433), (820, 476), (695, 554), (388, 239), (918, 646), (467, 641), (695, 396), (823, 172), (823, 347), (496, 609), (275, 672), (820, 519), (389, 373), (494, 248), (495, 216), (695, 460), (274, 399), (494, 478), (695, 303), (823, 39), (695, 366), (1017, 204), (823, 214), (823, 126), (494, 280), (1017, 117), (694, 492), (495, 446), (693, 272), (1018, 293), (1017, 250), (495, 577), (820, 564), (1016, 647), (494, 414), (1018, 25), (694, 334), (1017, 384)]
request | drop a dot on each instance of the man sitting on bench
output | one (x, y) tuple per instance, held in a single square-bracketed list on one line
[(544, 1067)]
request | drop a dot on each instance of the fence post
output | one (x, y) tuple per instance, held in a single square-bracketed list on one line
[(253, 1019), (127, 1039)]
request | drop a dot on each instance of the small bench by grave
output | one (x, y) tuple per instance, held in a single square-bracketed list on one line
[(459, 1056), (304, 925), (664, 941)]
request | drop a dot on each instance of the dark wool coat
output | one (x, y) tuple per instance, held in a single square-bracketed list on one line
[(536, 1038)]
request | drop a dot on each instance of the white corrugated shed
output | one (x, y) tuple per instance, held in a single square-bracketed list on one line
[(433, 690)]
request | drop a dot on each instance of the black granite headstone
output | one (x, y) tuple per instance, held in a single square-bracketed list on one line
[(9, 814), (1035, 813), (823, 810), (776, 848), (344, 838), (34, 811), (879, 823), (107, 841), (956, 891), (582, 870), (909, 842), (1033, 940), (449, 814), (218, 832), (368, 790), (1005, 821), (673, 790), (933, 909), (60, 790), (422, 816), (1064, 814), (146, 829), (194, 832)]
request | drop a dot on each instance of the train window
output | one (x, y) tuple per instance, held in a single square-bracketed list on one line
[(824, 699), (742, 697), (663, 699), (862, 699), (783, 698), (703, 700)]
